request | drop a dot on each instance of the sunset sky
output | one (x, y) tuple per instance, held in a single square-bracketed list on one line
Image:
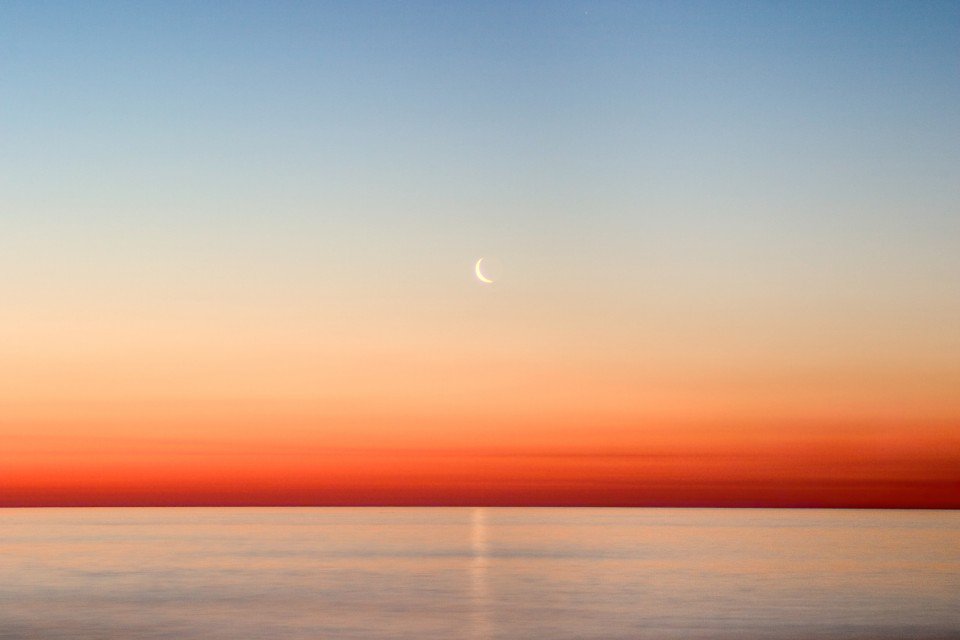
[(237, 247)]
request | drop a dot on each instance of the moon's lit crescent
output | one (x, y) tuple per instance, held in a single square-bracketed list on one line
[(480, 275)]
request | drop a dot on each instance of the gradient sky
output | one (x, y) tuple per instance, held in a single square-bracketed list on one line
[(237, 240)]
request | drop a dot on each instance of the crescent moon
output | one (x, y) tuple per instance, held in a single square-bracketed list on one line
[(479, 273)]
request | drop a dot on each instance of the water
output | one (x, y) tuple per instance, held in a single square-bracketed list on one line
[(558, 574)]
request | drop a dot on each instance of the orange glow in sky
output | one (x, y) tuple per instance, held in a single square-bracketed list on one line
[(240, 255)]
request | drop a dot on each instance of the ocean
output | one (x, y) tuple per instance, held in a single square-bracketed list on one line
[(472, 573)]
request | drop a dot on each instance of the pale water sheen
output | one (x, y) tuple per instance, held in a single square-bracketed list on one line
[(215, 574)]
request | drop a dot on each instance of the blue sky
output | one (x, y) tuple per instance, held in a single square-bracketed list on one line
[(692, 158)]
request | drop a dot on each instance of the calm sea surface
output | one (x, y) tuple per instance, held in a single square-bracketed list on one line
[(478, 573)]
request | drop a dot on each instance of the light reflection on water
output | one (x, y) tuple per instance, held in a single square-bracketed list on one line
[(478, 573), (480, 613)]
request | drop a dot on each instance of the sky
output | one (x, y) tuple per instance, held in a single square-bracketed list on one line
[(237, 248)]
